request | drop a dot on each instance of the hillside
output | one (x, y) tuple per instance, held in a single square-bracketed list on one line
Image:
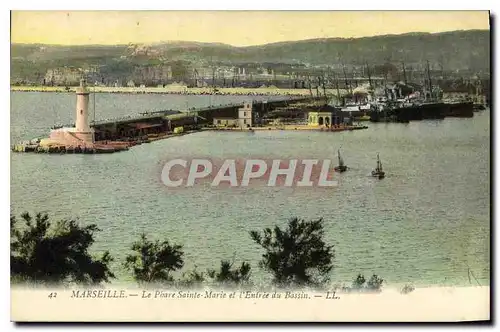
[(457, 50)]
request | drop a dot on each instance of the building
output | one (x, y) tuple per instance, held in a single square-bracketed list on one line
[(326, 116), (245, 119), (63, 76), (82, 135), (246, 115), (226, 122)]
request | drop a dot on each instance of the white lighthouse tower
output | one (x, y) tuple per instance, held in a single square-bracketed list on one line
[(82, 126), (81, 135)]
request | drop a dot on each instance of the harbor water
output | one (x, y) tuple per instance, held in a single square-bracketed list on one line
[(426, 223)]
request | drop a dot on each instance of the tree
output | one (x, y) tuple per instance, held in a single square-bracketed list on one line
[(193, 278), (154, 261), (45, 254), (375, 283), (361, 285), (296, 255), (359, 282), (226, 275)]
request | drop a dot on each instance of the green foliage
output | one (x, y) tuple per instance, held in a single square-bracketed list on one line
[(407, 289), (192, 278), (44, 254), (375, 283), (297, 255), (360, 284), (55, 254), (227, 275), (153, 262)]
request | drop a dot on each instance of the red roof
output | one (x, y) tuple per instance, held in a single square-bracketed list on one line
[(145, 125)]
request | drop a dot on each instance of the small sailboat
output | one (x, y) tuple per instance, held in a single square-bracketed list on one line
[(378, 172), (341, 167)]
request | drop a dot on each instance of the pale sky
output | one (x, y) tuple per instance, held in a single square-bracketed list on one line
[(238, 28)]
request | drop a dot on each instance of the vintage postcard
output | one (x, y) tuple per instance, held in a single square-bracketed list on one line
[(250, 166)]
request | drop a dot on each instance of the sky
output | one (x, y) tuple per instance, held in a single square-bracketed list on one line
[(238, 28)]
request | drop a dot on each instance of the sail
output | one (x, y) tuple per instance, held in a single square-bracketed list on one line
[(379, 163)]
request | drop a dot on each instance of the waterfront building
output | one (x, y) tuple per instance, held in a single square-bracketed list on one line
[(246, 118), (226, 122), (327, 116), (319, 119), (62, 76), (246, 115)]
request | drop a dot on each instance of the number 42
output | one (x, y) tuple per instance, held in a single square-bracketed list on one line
[(52, 295)]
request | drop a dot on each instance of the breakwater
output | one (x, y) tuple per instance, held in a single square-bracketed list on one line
[(183, 90), (119, 134)]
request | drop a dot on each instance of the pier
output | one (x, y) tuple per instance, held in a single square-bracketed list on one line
[(311, 113), (119, 134), (164, 123)]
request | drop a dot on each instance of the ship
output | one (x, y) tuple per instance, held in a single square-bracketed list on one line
[(378, 172), (461, 109), (341, 167), (421, 111)]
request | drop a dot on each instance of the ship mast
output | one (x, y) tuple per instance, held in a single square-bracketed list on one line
[(337, 86), (404, 74), (379, 164), (324, 88), (369, 75), (347, 85), (429, 79), (309, 83), (94, 105), (317, 88)]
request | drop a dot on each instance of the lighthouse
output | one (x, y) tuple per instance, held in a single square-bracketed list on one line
[(82, 127)]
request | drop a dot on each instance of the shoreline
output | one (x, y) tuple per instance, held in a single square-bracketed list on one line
[(181, 90), (119, 146)]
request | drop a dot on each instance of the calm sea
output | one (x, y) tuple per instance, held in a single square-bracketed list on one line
[(427, 222)]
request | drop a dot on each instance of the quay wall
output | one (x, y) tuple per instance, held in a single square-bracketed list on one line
[(160, 122), (184, 90)]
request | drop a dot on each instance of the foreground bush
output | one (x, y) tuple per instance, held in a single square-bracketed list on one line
[(154, 262), (297, 255), (53, 254), (360, 285), (226, 275)]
